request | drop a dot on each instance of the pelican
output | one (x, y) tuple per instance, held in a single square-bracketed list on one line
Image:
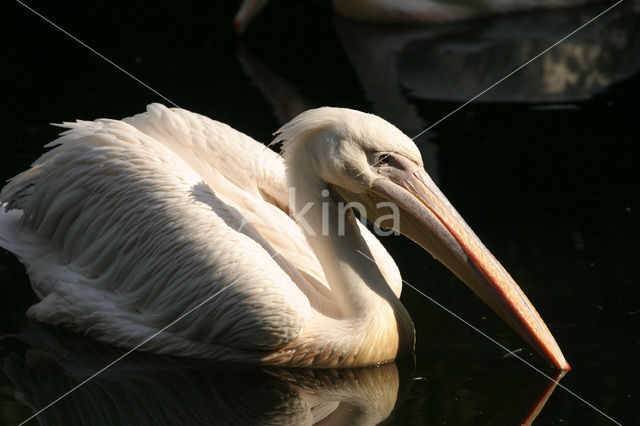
[(126, 225), (414, 11)]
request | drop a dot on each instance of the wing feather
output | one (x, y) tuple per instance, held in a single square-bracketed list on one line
[(132, 238), (246, 175)]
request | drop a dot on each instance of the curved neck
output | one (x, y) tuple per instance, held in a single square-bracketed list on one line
[(373, 326), (334, 235)]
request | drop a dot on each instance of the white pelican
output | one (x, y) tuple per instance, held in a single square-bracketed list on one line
[(126, 225), (414, 11)]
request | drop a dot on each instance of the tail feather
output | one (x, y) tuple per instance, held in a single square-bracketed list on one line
[(10, 236)]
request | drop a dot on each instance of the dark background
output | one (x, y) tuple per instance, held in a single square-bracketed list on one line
[(552, 188)]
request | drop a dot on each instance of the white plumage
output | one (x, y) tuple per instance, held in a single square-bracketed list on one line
[(125, 226), (128, 224)]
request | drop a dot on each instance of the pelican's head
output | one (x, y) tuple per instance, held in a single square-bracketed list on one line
[(345, 148), (363, 158)]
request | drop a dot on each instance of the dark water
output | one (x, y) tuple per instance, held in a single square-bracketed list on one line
[(543, 168)]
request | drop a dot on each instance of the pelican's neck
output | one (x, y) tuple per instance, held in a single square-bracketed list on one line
[(334, 235), (374, 326)]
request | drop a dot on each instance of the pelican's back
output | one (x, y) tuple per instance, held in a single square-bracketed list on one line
[(126, 225)]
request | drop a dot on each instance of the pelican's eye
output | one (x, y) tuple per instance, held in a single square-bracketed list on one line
[(383, 159)]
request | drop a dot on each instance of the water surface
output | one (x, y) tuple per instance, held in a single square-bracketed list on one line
[(543, 170)]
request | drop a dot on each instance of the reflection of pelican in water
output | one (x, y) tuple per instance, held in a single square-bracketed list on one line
[(396, 65), (458, 61), (155, 390), (403, 11), (150, 389), (127, 225)]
